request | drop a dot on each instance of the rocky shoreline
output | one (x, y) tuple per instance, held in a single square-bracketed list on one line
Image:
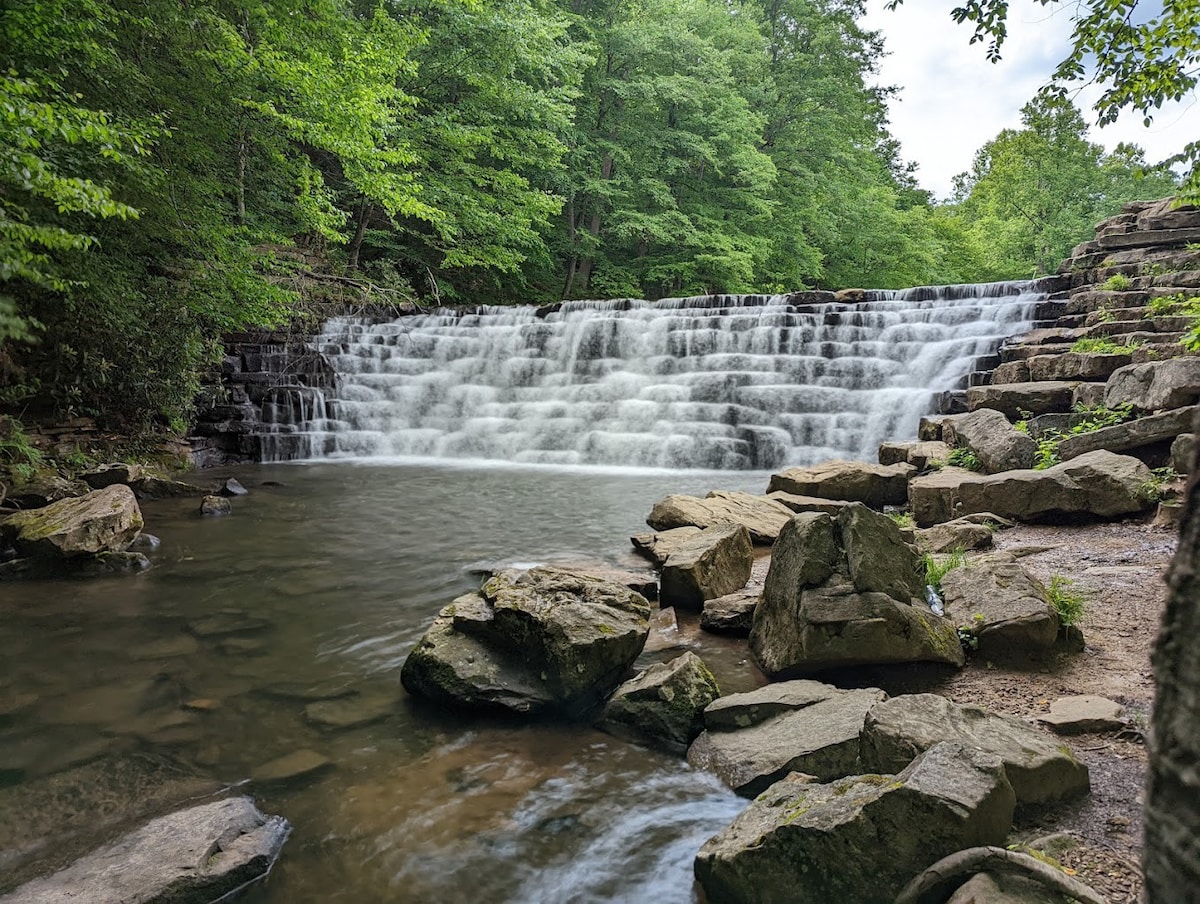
[(927, 662)]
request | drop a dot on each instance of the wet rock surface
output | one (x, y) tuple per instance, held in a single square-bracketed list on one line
[(664, 705)]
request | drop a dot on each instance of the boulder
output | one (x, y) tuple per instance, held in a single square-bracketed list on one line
[(1077, 365), (1003, 888), (1145, 431), (852, 481), (1155, 385), (1183, 453), (111, 474), (44, 489), (920, 455), (232, 487), (664, 705), (1098, 484), (860, 838), (799, 504), (657, 547), (763, 517), (1002, 605), (541, 641), (957, 534), (199, 854), (712, 563), (793, 726), (102, 521), (1040, 768), (997, 444), (1015, 399), (846, 592), (732, 614), (1088, 395), (151, 487), (1082, 713)]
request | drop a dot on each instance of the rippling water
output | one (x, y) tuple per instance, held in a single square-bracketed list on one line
[(113, 703)]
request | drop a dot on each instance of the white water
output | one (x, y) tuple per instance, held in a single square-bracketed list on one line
[(719, 382)]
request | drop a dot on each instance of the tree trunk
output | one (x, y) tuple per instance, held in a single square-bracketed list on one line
[(242, 154), (1171, 858), (363, 214), (586, 265)]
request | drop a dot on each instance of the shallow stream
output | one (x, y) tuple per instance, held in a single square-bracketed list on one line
[(121, 696)]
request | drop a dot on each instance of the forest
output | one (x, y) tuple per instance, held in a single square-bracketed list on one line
[(167, 168)]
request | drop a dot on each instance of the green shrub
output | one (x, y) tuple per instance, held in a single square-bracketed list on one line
[(1097, 417), (1067, 602), (937, 567), (903, 520), (1100, 345), (964, 458), (1118, 282)]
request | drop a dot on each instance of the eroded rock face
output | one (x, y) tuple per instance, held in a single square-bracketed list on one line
[(664, 705), (707, 565), (101, 521), (1155, 385), (1002, 605), (541, 641), (1098, 484), (732, 614), (762, 517), (198, 854), (853, 481), (755, 739), (846, 592), (1039, 768), (859, 838), (996, 443), (658, 546)]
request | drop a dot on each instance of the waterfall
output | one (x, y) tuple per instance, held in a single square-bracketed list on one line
[(721, 382)]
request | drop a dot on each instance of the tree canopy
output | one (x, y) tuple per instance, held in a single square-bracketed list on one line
[(169, 172)]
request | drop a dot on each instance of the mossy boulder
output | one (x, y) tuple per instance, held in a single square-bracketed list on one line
[(102, 521), (543, 641), (664, 705), (844, 592), (859, 838)]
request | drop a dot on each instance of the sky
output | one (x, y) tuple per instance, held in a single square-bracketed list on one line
[(952, 100)]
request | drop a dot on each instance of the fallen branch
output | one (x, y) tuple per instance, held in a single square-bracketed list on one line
[(987, 859)]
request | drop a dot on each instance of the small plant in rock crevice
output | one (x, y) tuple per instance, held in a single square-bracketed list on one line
[(937, 567), (962, 457), (1067, 601), (1118, 282), (1096, 417)]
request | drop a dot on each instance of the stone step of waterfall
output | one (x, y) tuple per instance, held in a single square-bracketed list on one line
[(979, 378), (1158, 326)]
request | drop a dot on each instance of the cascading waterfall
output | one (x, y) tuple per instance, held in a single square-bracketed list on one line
[(720, 382)]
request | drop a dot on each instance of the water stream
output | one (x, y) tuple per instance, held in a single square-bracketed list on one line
[(723, 382), (117, 694)]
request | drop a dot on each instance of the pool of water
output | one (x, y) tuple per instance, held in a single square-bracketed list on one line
[(122, 696)]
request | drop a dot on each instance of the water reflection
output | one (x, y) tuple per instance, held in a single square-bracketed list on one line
[(282, 628)]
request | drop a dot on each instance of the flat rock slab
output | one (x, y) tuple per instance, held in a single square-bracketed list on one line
[(957, 534), (816, 732), (658, 546), (291, 767), (732, 614), (808, 503), (921, 454), (850, 481), (198, 854), (859, 839), (1039, 767), (1083, 713), (350, 712), (1145, 431), (764, 518), (1099, 484), (1014, 400)]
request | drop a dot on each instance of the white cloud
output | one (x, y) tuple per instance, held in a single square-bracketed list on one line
[(952, 100)]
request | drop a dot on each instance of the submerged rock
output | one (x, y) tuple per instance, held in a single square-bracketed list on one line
[(541, 641), (198, 854), (664, 705), (299, 764), (846, 592), (215, 505), (860, 838)]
